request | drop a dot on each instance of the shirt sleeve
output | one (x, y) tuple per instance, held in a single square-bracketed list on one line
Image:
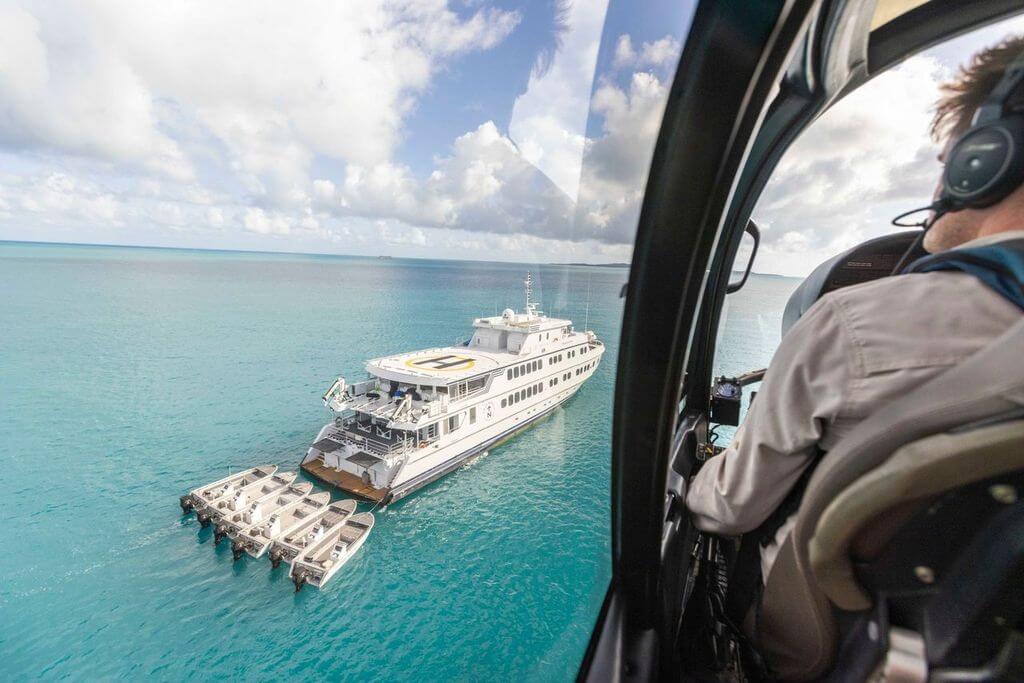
[(802, 392)]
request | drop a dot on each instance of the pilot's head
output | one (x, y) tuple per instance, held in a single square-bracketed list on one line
[(960, 99)]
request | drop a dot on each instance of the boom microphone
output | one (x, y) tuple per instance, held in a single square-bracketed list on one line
[(938, 209)]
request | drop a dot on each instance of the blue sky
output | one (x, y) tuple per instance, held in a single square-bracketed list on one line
[(425, 128)]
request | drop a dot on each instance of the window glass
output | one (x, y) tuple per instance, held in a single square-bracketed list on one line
[(208, 214), (863, 162)]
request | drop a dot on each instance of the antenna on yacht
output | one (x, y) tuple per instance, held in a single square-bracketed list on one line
[(530, 306), (586, 319)]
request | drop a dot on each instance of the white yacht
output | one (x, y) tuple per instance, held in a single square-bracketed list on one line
[(421, 414)]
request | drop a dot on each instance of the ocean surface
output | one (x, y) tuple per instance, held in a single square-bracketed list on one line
[(130, 376)]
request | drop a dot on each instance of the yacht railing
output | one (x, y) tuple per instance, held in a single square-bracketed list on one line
[(371, 439)]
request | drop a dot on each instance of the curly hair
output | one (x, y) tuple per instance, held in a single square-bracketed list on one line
[(962, 96)]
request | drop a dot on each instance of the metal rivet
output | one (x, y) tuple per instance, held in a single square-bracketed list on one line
[(924, 574), (1003, 493)]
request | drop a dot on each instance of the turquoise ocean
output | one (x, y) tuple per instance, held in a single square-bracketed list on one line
[(129, 376)]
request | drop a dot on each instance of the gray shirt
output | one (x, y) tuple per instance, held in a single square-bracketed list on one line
[(857, 350)]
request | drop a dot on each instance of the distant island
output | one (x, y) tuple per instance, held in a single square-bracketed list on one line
[(595, 265)]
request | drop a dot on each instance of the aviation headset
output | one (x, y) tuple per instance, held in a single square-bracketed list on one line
[(986, 162)]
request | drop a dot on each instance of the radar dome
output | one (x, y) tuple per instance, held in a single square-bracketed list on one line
[(508, 314)]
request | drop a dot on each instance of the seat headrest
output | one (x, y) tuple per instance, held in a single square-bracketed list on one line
[(919, 471)]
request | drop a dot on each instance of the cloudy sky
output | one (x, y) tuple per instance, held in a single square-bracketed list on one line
[(459, 129)]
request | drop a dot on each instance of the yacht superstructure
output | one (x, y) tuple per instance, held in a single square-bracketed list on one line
[(421, 414)]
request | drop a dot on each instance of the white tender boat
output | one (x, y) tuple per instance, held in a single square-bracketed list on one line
[(256, 539), (204, 495), (293, 543), (316, 565), (422, 414), (259, 509), (242, 496)]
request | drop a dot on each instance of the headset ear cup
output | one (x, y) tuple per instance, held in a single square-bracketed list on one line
[(985, 165)]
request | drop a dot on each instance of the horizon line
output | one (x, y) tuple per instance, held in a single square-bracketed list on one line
[(617, 264)]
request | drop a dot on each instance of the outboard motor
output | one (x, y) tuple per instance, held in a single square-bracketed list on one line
[(219, 533), (275, 559), (186, 504), (299, 579), (237, 548), (203, 518)]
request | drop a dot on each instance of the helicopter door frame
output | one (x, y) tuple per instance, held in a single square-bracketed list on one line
[(700, 192), (732, 60)]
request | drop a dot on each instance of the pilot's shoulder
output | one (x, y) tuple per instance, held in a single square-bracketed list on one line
[(889, 294), (938, 305)]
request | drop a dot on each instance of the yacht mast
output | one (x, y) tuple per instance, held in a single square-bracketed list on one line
[(530, 306)]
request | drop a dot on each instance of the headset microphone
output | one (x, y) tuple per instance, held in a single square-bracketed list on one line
[(937, 208)]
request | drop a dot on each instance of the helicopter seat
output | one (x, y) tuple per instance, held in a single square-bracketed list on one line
[(907, 555)]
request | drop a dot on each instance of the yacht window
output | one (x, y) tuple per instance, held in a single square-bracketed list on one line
[(515, 371), (472, 415), (509, 374), (503, 403), (453, 422)]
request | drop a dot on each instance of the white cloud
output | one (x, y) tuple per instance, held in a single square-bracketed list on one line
[(549, 120), (60, 198), (861, 163), (617, 162), (77, 96), (484, 185), (257, 220), (401, 235), (273, 86), (661, 52)]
